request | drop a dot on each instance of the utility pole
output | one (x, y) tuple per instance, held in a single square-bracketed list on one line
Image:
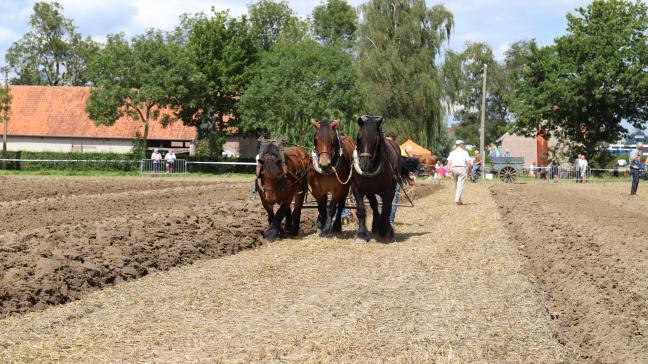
[(482, 128)]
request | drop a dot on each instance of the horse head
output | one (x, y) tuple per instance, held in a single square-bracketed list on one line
[(326, 142), (272, 167), (369, 141)]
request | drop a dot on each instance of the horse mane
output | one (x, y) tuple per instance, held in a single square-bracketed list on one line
[(271, 150)]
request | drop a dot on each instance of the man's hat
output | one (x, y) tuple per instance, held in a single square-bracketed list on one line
[(459, 141)]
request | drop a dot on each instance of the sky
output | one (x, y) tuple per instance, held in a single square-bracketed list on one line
[(496, 22)]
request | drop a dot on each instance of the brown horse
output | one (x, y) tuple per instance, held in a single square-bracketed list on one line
[(281, 178), (429, 161), (330, 173)]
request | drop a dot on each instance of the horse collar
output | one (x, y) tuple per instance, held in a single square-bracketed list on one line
[(356, 166)]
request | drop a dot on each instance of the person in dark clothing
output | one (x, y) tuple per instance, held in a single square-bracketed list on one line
[(636, 168)]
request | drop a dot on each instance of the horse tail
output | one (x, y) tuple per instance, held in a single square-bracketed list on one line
[(408, 165)]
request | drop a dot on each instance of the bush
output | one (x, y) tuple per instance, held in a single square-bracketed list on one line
[(124, 162)]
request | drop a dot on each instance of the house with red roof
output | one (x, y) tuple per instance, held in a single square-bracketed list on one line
[(53, 118)]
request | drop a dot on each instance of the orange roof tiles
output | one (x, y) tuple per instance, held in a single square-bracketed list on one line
[(59, 111)]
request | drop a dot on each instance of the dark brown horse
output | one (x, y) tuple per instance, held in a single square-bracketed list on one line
[(331, 172), (281, 178), (376, 166)]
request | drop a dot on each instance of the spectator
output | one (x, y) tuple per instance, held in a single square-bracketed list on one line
[(532, 169), (170, 159), (507, 153), (554, 170), (157, 160), (491, 151), (392, 136), (636, 168), (577, 165), (476, 166), (458, 163), (583, 166)]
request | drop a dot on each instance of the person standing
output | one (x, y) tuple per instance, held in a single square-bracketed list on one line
[(458, 163), (532, 170), (636, 166), (157, 158), (476, 166), (170, 159), (392, 216), (583, 166)]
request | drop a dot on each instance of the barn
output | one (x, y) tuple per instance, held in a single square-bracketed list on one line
[(53, 119), (534, 150)]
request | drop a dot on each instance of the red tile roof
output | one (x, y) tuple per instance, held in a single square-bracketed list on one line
[(59, 111)]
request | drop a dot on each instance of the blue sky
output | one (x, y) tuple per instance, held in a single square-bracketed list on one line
[(497, 22)]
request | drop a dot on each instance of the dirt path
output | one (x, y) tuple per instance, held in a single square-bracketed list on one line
[(446, 292), (588, 249)]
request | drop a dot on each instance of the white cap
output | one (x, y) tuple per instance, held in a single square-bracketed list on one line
[(459, 141)]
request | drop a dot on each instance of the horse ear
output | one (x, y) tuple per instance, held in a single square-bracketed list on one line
[(380, 121), (361, 120), (314, 123), (335, 124)]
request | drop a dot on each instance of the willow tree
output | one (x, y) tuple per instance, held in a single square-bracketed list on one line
[(399, 42)]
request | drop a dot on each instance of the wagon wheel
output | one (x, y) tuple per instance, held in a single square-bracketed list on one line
[(508, 174)]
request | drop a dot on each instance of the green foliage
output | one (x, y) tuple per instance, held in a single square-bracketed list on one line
[(52, 52), (137, 79), (221, 52), (463, 77), (273, 21), (125, 162), (581, 88), (296, 82), (335, 22), (399, 42)]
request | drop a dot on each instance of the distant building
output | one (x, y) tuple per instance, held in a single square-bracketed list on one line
[(237, 146), (52, 118), (532, 149)]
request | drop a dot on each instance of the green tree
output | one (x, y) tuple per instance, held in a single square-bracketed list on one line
[(273, 21), (580, 89), (52, 52), (335, 22), (221, 52), (5, 109), (138, 79), (399, 42), (463, 77), (296, 82)]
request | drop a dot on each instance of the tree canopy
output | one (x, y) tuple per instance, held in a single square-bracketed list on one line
[(335, 22), (222, 52), (399, 42), (139, 79), (581, 88), (272, 21), (52, 52), (295, 82)]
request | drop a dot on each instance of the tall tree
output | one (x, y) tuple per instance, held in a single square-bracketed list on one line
[(580, 89), (272, 21), (52, 52), (399, 42), (463, 76), (296, 82), (222, 52), (335, 22), (138, 79)]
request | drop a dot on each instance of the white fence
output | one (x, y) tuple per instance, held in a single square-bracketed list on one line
[(150, 166)]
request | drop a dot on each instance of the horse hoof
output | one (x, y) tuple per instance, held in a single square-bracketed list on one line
[(272, 235), (361, 241), (326, 234), (363, 237)]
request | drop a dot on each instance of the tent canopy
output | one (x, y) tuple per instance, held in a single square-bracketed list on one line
[(417, 150)]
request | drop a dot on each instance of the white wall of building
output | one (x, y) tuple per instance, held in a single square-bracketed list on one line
[(48, 144)]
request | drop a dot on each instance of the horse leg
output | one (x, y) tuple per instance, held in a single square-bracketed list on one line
[(332, 209), (274, 232), (296, 216), (361, 212), (386, 231), (337, 221), (289, 219), (375, 221), (321, 212)]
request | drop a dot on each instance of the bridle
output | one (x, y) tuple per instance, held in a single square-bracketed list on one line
[(356, 158), (335, 155)]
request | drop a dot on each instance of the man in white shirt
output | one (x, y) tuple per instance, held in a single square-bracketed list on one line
[(156, 157), (458, 163), (170, 159), (582, 167), (636, 167)]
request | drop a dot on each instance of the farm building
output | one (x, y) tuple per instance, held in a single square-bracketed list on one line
[(47, 118), (532, 149)]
